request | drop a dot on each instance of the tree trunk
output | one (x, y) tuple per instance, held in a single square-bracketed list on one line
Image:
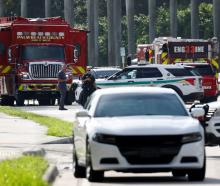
[(92, 13), (1, 8), (130, 26), (173, 18), (152, 19), (68, 11), (194, 19), (47, 8), (216, 16), (117, 35), (111, 30), (24, 8)]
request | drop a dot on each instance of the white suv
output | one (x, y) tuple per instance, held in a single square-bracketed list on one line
[(177, 77)]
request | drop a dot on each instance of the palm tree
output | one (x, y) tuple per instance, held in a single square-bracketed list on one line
[(173, 18), (24, 8), (152, 19), (68, 11), (47, 8), (195, 19), (130, 26)]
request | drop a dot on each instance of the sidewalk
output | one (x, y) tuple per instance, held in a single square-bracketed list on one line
[(17, 135)]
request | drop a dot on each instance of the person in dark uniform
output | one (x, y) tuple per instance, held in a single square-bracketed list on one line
[(62, 87), (88, 87)]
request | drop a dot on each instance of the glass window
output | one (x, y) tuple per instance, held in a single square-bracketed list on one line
[(131, 104), (204, 70), (180, 72), (150, 73), (128, 73), (42, 52), (103, 73)]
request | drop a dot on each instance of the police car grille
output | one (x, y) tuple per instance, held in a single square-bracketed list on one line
[(44, 71), (149, 149)]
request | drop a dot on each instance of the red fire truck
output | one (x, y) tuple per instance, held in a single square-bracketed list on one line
[(199, 53), (31, 54)]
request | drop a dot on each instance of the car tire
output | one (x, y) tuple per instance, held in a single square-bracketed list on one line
[(78, 171), (197, 174), (92, 175), (178, 173)]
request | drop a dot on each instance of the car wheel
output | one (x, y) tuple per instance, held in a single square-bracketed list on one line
[(178, 173), (92, 175), (78, 171), (197, 174)]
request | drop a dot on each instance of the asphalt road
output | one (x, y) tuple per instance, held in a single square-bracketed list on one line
[(62, 156)]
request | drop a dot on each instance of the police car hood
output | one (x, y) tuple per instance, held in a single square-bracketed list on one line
[(144, 125)]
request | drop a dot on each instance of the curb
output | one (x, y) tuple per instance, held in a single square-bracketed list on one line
[(34, 152), (51, 173), (67, 140)]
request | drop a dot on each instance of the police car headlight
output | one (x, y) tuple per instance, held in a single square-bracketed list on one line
[(192, 137), (104, 138)]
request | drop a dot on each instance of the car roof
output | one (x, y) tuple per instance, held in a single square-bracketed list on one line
[(157, 65), (125, 90), (105, 68)]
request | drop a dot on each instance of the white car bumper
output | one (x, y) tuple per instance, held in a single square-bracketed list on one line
[(213, 131), (100, 152)]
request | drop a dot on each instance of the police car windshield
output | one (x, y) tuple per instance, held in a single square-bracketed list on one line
[(103, 73), (42, 52), (131, 104)]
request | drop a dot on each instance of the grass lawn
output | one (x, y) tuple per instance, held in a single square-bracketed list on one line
[(24, 171), (56, 127)]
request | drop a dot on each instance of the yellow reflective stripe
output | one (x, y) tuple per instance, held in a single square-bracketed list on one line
[(177, 60), (81, 69), (163, 55), (74, 71), (7, 69), (215, 63), (165, 62), (20, 87)]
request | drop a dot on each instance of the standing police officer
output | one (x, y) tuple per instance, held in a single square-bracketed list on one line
[(62, 87)]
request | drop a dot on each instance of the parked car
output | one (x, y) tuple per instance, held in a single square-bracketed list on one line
[(187, 84), (213, 124), (209, 80), (141, 129), (99, 73)]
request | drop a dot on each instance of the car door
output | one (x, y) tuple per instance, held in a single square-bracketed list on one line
[(150, 76), (126, 77)]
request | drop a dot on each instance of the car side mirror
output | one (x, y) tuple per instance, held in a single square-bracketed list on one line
[(83, 113), (197, 112)]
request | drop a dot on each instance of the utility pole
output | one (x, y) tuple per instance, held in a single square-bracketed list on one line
[(47, 8), (111, 31), (24, 8), (92, 13), (130, 26), (117, 27), (194, 19), (68, 11), (152, 19), (1, 8), (173, 18)]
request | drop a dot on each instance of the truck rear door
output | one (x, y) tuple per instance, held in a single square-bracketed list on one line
[(5, 66)]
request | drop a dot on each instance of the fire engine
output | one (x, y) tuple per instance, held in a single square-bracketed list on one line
[(32, 51), (199, 53)]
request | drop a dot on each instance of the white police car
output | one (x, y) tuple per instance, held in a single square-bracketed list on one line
[(177, 77)]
